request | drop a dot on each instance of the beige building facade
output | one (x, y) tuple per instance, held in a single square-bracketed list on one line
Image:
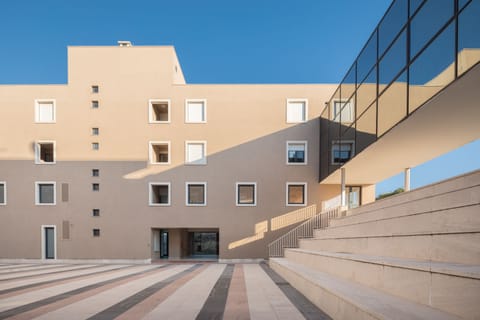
[(128, 161)]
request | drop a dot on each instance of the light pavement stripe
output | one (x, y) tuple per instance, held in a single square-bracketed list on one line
[(29, 268), (187, 301), (10, 266), (15, 287), (90, 306), (265, 299), (36, 295), (236, 307), (34, 273)]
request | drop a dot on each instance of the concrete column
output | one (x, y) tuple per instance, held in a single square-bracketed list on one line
[(343, 189), (406, 184)]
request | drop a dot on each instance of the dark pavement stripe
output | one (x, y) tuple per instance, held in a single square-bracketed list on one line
[(124, 305), (47, 273), (40, 303), (28, 286), (214, 307), (306, 308)]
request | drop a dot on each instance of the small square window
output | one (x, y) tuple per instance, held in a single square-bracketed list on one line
[(159, 193), (45, 152), (96, 232), (45, 193), (195, 152), (95, 186), (95, 104), (95, 131), (297, 152), (196, 193), (246, 193), (297, 110), (342, 151), (96, 212), (3, 193), (95, 172), (45, 111), (95, 146), (159, 152), (95, 89), (196, 111), (296, 194), (159, 111), (342, 111)]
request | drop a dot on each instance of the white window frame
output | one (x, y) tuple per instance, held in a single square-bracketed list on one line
[(305, 193), (199, 163), (37, 110), (305, 143), (336, 116), (204, 194), (42, 248), (150, 194), (204, 101), (151, 113), (237, 194), (38, 148), (37, 193), (337, 142), (151, 155), (305, 111), (4, 203)]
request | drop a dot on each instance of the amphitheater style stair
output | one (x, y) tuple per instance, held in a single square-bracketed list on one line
[(415, 255)]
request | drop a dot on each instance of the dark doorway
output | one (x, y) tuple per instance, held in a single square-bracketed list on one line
[(49, 243), (204, 243), (163, 244)]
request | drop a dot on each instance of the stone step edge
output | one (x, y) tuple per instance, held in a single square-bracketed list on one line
[(374, 302), (445, 268), (389, 235)]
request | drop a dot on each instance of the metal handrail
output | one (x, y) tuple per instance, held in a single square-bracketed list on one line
[(304, 230)]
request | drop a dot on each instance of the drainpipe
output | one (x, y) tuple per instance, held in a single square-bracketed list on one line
[(406, 184)]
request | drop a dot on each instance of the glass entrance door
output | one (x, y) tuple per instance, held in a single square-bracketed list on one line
[(204, 243), (49, 243), (163, 244)]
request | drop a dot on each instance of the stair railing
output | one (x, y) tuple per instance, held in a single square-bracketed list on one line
[(305, 230)]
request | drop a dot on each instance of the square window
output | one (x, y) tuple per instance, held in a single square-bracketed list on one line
[(296, 194), (342, 111), (95, 172), (196, 193), (95, 146), (159, 152), (95, 187), (96, 212), (96, 232), (196, 111), (246, 193), (297, 152), (342, 151), (45, 111), (45, 193), (95, 89), (95, 131), (159, 193), (45, 152), (297, 110), (95, 104), (195, 152), (3, 193), (159, 111)]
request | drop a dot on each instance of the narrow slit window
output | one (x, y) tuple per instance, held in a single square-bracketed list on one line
[(95, 89), (95, 146), (96, 232), (95, 186), (95, 104), (95, 172), (96, 212), (3, 193)]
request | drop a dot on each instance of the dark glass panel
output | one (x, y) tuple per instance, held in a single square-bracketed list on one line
[(469, 37), (392, 104), (394, 60), (367, 92), (392, 23), (367, 58)]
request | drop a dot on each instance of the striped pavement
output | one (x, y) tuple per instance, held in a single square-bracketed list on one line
[(157, 291)]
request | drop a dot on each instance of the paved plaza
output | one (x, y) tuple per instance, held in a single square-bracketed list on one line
[(157, 291)]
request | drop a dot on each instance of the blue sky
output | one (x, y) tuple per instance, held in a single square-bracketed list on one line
[(217, 41)]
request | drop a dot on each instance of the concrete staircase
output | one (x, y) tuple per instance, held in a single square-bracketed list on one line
[(415, 255)]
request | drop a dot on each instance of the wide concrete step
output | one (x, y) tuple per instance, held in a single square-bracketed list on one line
[(450, 287), (443, 247), (342, 299), (457, 220)]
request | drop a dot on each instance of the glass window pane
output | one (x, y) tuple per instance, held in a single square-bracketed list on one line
[(196, 194), (2, 193), (366, 127), (246, 194), (393, 61), (433, 69), (347, 87), (367, 92), (468, 37), (160, 194), (296, 153), (324, 154), (392, 104), (367, 58), (46, 192), (462, 3), (296, 194), (392, 23), (431, 17), (296, 111), (414, 4)]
